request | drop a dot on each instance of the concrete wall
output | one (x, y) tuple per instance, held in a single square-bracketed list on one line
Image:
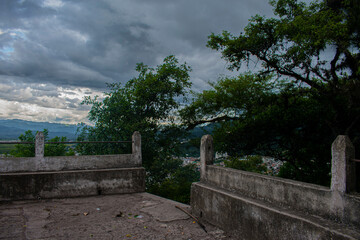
[(61, 184), (70, 176), (65, 163), (266, 207), (284, 192)]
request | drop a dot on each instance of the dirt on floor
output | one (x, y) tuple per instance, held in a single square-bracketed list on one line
[(127, 216)]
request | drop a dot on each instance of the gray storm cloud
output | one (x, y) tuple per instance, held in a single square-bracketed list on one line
[(64, 45)]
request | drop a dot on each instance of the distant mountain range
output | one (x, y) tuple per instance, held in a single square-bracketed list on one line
[(13, 128)]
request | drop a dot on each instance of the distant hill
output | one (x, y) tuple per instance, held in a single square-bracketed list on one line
[(200, 131), (191, 144), (11, 129)]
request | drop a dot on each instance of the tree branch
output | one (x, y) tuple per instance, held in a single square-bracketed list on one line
[(317, 73), (333, 66), (352, 62), (289, 73), (218, 119)]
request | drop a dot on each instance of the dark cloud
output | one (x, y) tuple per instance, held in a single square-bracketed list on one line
[(77, 45), (13, 13), (48, 46)]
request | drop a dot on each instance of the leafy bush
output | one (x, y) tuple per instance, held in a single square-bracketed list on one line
[(249, 163)]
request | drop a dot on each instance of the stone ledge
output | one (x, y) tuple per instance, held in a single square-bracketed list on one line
[(300, 196), (37, 185), (254, 219), (65, 163)]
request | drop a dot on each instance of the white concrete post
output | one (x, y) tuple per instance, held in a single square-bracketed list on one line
[(136, 148), (39, 144), (343, 169), (206, 154)]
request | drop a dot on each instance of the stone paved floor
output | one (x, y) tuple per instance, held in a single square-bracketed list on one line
[(128, 216)]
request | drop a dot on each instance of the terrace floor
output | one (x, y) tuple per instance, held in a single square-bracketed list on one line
[(127, 216)]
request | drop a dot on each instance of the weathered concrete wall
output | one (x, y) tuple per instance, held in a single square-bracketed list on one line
[(284, 192), (251, 219), (136, 149), (206, 155), (343, 169), (33, 185), (70, 176), (64, 163), (266, 207), (39, 144)]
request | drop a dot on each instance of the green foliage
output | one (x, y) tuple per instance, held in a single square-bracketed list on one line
[(28, 150), (190, 147), (229, 98), (250, 164), (25, 150), (143, 104), (175, 184), (305, 94), (57, 149), (259, 116), (315, 47), (6, 148)]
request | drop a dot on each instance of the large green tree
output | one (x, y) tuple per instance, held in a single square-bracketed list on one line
[(256, 115), (305, 92), (146, 104), (316, 46)]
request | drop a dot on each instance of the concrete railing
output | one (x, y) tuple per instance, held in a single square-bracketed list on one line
[(225, 195), (64, 163), (68, 176)]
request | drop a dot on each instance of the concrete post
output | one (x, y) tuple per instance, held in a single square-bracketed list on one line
[(206, 154), (136, 148), (39, 144), (343, 170)]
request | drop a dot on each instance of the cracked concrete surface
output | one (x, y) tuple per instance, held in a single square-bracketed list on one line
[(127, 216)]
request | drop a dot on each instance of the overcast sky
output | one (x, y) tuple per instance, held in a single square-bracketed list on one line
[(55, 52)]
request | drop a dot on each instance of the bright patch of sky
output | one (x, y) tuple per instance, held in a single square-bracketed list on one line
[(53, 3), (5, 52)]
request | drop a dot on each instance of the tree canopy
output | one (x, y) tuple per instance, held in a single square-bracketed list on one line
[(256, 115), (140, 105), (146, 104), (304, 94), (315, 46)]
